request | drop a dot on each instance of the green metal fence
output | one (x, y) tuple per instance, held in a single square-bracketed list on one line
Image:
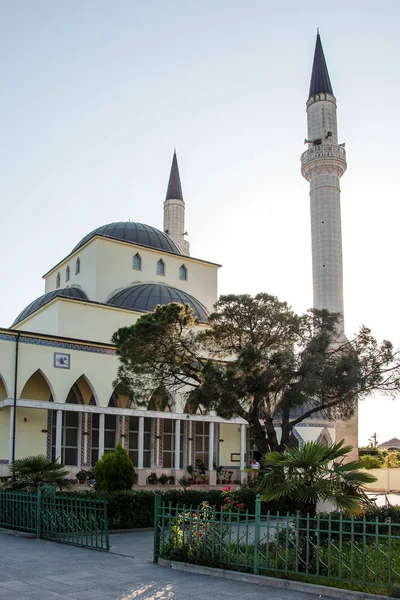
[(70, 520), (356, 554)]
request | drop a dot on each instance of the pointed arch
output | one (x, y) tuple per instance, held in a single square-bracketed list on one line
[(38, 387), (161, 267), (3, 388), (58, 280), (193, 405), (67, 273), (183, 273), (160, 400), (137, 262), (78, 266), (84, 391), (296, 440), (325, 437)]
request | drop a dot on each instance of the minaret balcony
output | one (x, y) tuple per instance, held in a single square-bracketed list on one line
[(323, 151)]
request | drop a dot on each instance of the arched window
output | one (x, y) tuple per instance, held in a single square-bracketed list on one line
[(183, 273), (67, 273), (137, 262), (78, 266), (58, 280), (161, 267)]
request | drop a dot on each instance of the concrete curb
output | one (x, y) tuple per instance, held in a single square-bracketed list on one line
[(118, 531), (299, 586), (22, 534)]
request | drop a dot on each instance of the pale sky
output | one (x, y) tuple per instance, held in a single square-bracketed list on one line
[(96, 95)]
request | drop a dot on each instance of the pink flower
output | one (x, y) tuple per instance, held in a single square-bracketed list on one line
[(240, 506), (227, 489), (229, 500), (230, 472)]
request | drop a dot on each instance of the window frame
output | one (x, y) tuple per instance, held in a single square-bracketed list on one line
[(162, 264), (139, 258), (67, 274), (77, 266), (183, 268)]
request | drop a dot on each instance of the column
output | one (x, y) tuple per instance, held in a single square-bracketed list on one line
[(140, 442), (242, 445), (101, 435), (177, 444), (11, 438), (211, 436), (59, 419)]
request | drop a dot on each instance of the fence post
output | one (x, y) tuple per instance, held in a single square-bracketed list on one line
[(257, 520), (105, 502), (39, 512), (157, 505)]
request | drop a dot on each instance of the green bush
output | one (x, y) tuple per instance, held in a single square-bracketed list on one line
[(114, 472), (371, 462), (131, 509)]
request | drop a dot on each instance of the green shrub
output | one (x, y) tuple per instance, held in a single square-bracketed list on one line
[(114, 472), (371, 462), (131, 509)]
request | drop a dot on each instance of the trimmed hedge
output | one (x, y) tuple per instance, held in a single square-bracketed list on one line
[(132, 509)]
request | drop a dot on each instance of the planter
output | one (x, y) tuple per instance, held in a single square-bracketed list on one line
[(81, 481)]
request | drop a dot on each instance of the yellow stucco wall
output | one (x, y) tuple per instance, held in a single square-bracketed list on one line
[(231, 444), (30, 439), (36, 388), (42, 321), (3, 391), (4, 433)]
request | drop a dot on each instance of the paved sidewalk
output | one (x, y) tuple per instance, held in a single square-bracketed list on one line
[(42, 570)]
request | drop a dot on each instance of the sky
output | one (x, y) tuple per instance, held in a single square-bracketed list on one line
[(97, 94)]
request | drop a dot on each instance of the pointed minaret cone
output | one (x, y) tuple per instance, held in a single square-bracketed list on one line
[(323, 164), (320, 81), (174, 209)]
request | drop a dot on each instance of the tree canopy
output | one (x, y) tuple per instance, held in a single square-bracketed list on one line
[(256, 359)]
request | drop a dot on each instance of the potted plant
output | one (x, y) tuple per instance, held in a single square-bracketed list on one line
[(204, 478), (230, 473), (185, 483), (219, 470), (224, 476), (163, 479), (171, 480), (152, 479), (82, 476), (190, 471)]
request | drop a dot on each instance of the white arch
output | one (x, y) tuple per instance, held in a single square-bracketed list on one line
[(47, 380), (86, 378), (5, 386)]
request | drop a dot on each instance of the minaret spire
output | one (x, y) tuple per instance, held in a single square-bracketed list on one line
[(320, 80), (174, 190), (174, 209)]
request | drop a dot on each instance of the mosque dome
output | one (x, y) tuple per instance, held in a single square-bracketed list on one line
[(145, 297), (72, 291), (136, 233)]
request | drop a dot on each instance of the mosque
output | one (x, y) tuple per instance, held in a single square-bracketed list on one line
[(57, 364)]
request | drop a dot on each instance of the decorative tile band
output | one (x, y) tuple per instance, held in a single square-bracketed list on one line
[(60, 344)]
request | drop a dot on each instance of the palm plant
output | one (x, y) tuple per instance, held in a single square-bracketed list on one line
[(27, 473), (315, 473)]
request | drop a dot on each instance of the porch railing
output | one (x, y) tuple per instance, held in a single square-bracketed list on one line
[(66, 519), (350, 553)]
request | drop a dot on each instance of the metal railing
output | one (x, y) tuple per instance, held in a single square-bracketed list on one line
[(66, 519), (340, 552), (322, 151)]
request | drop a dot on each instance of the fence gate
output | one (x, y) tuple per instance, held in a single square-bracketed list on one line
[(65, 519)]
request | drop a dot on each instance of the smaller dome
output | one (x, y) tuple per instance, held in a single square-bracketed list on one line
[(135, 233), (68, 292), (145, 297)]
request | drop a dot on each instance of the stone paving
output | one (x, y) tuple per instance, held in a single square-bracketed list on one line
[(42, 570)]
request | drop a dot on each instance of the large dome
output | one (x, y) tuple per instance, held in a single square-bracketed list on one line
[(136, 233), (146, 296), (68, 292)]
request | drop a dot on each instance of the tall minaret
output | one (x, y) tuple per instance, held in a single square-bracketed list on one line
[(174, 210), (323, 164)]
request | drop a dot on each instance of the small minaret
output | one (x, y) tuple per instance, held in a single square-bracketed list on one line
[(174, 210), (323, 164)]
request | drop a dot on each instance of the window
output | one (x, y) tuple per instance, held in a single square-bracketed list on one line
[(202, 441), (161, 267), (183, 273), (78, 266), (168, 444), (137, 262), (58, 280), (134, 441), (67, 273)]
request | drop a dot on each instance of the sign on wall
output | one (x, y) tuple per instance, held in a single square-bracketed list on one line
[(61, 360)]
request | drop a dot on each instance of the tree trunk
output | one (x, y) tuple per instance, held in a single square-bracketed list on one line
[(264, 435), (286, 433)]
